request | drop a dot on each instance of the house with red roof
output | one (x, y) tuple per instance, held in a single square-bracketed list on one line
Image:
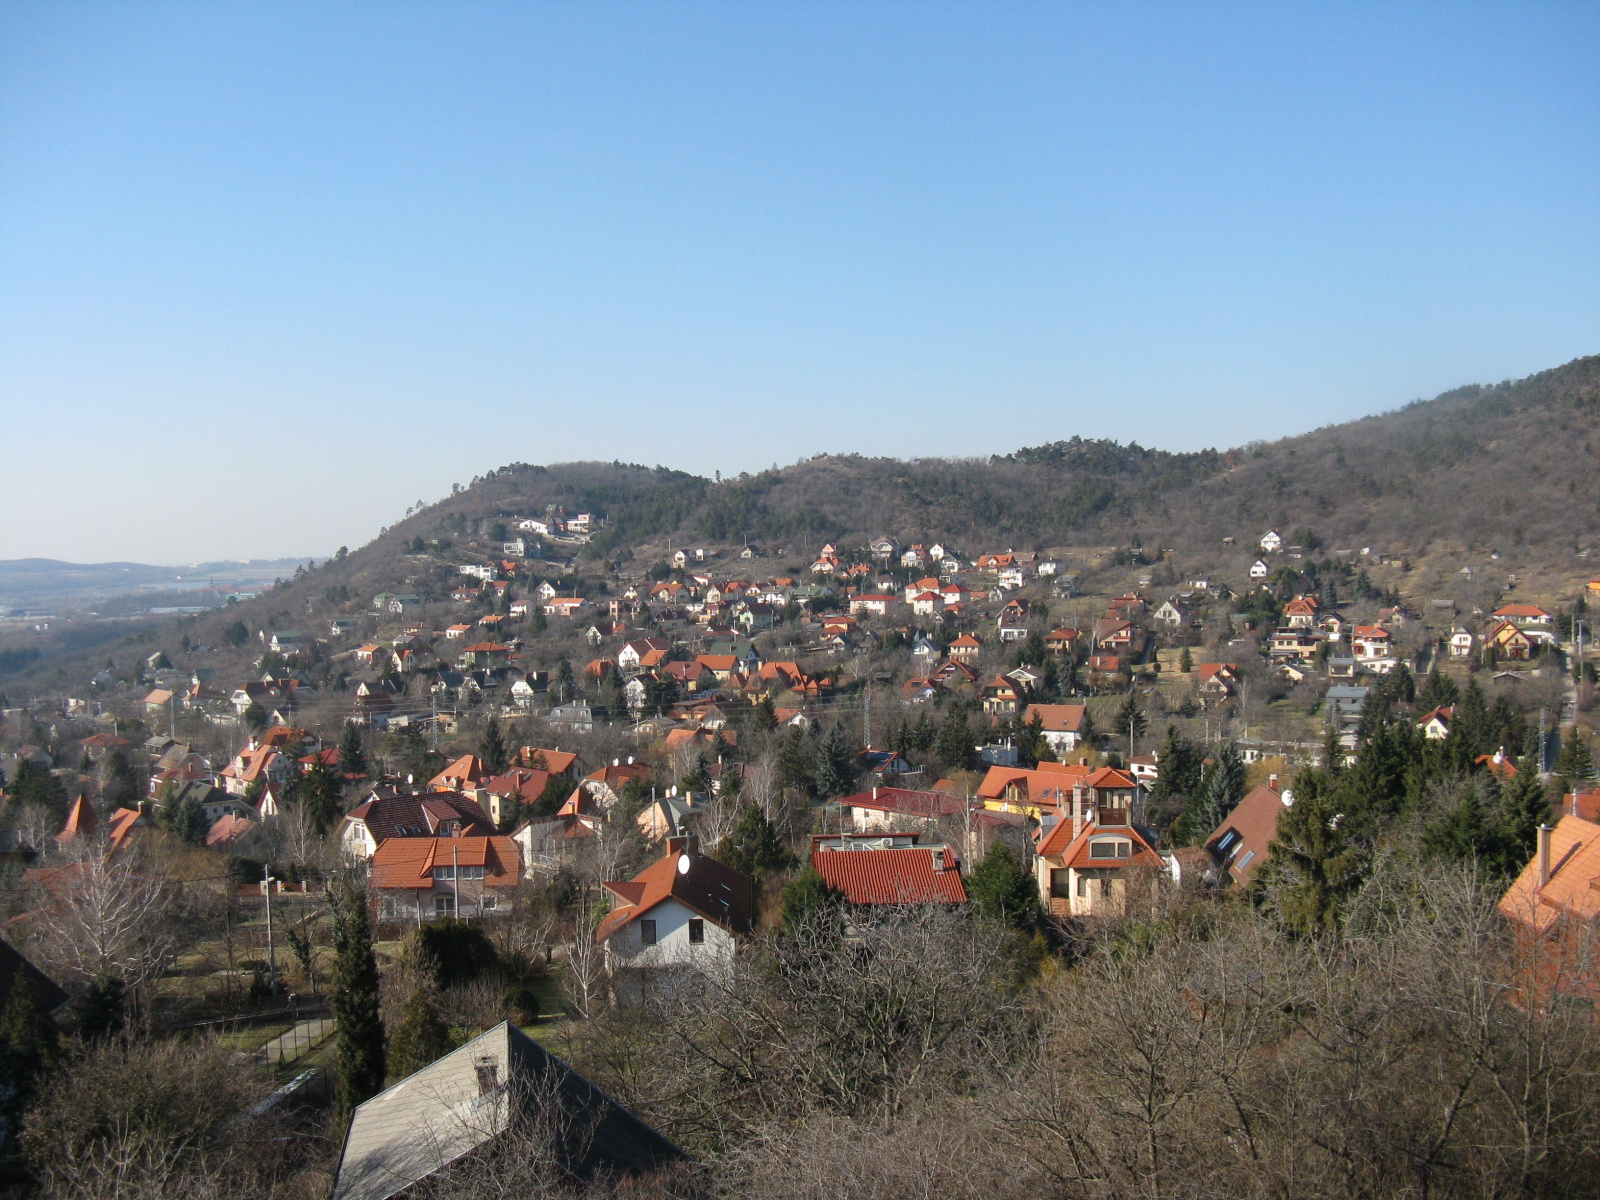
[(1509, 641), (1435, 723), (1091, 860), (384, 816), (1554, 905), (1525, 615), (684, 911), (1242, 842), (419, 878), (913, 874), (1061, 724), (965, 649)]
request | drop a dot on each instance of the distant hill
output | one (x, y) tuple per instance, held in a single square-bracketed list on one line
[(36, 580), (1501, 466), (1484, 487)]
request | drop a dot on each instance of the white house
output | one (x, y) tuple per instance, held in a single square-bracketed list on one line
[(1259, 570), (686, 911), (1271, 541), (1461, 642)]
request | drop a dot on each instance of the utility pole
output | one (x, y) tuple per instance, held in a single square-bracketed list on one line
[(272, 952), (455, 879)]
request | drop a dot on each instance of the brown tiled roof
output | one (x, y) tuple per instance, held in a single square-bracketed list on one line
[(420, 815), (408, 862), (1074, 849), (1573, 888), (716, 891), (1255, 818), (1057, 718), (905, 876), (907, 802)]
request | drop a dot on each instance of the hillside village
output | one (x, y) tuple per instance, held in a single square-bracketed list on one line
[(610, 777)]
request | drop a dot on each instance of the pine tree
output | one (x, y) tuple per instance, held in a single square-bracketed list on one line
[(1575, 763), (492, 748), (1218, 794), (359, 1027), (1524, 806), (1185, 661), (1001, 889), (1438, 691), (763, 717), (322, 797), (795, 760), (102, 1015), (954, 748), (836, 764), (352, 755), (809, 894), (753, 847), (1130, 722), (697, 779), (1315, 865), (421, 1037)]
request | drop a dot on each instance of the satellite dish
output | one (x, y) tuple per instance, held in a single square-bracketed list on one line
[(683, 864), (1287, 798)]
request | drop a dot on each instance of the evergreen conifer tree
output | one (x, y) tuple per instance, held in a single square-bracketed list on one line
[(322, 795), (359, 1053), (836, 764), (492, 748), (102, 1014), (754, 847), (697, 778), (29, 1045), (1000, 888), (352, 754), (764, 718), (954, 748), (421, 1035), (1130, 722), (806, 896), (1315, 864), (1575, 763)]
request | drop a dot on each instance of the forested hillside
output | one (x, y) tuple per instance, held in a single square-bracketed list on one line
[(1507, 465)]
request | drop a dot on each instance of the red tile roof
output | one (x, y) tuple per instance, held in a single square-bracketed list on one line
[(1573, 887), (420, 815), (408, 863), (906, 876)]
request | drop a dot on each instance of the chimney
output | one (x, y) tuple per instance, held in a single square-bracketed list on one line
[(1272, 782), (1077, 813), (684, 844), (874, 791), (1544, 855)]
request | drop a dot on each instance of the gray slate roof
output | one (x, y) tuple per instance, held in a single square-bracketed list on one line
[(470, 1096)]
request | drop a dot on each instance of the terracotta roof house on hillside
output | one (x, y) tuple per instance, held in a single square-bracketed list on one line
[(386, 815), (685, 910), (1555, 906), (910, 875), (1242, 842), (419, 878)]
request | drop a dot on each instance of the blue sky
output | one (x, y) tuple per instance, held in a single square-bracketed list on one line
[(269, 273)]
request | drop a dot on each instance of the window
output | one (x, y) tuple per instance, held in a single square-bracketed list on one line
[(441, 905), (444, 872), (647, 933), (1083, 884), (471, 873), (1108, 848), (697, 931), (489, 903)]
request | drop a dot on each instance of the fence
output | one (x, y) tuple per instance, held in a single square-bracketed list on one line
[(310, 1023)]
